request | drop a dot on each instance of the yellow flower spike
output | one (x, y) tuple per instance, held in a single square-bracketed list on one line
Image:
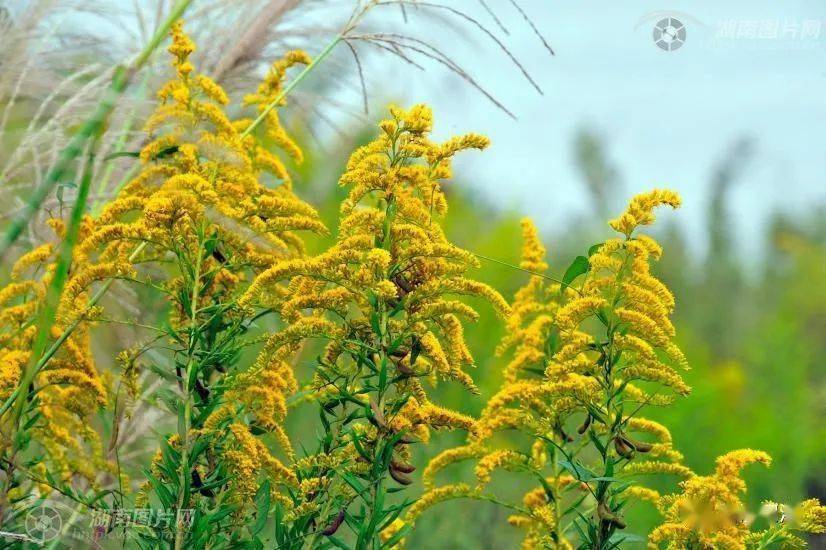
[(501, 459), (562, 341), (641, 210), (810, 516), (198, 177), (533, 252), (436, 496), (708, 511), (448, 457)]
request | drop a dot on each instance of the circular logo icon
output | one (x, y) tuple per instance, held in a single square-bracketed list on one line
[(669, 34), (43, 523)]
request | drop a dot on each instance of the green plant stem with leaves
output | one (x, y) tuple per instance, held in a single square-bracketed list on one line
[(191, 374), (45, 320)]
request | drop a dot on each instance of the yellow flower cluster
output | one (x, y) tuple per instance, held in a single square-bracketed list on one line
[(204, 175), (391, 256), (384, 296), (199, 199), (708, 513), (70, 389), (202, 170), (577, 348)]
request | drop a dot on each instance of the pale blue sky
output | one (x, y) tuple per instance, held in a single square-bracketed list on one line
[(666, 117)]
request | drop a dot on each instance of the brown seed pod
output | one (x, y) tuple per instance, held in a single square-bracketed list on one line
[(640, 446), (623, 449), (404, 369), (219, 256), (584, 426), (402, 466), (606, 515), (406, 439), (335, 524), (198, 484), (403, 284), (400, 477)]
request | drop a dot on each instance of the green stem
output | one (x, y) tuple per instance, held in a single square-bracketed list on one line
[(183, 435), (118, 146), (93, 126), (557, 496), (61, 272), (293, 83), (516, 267)]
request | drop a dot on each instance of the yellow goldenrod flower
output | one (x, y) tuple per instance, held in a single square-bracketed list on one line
[(708, 512)]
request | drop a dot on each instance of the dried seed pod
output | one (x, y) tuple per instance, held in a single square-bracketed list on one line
[(606, 515), (402, 466), (400, 477), (197, 483), (403, 284), (335, 524), (640, 446), (406, 439), (404, 369), (584, 426), (561, 432), (203, 391), (623, 449), (219, 256)]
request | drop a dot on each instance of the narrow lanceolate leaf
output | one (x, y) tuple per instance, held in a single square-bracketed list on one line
[(262, 507), (578, 267)]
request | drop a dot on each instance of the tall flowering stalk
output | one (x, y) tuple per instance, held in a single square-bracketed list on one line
[(206, 209), (382, 297), (199, 213), (590, 351)]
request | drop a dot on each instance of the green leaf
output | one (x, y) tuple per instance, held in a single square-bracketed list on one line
[(375, 323), (119, 154), (222, 513), (358, 446), (625, 538), (593, 250), (392, 541), (262, 507), (383, 375), (578, 267), (337, 542), (353, 482), (579, 471), (166, 498), (597, 443)]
